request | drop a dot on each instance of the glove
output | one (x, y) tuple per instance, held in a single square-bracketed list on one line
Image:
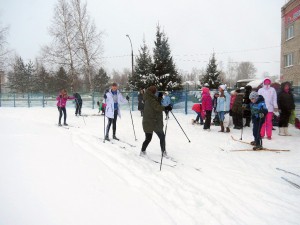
[(127, 98), (105, 97), (168, 108), (261, 115)]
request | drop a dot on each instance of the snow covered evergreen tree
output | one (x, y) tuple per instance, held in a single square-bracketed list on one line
[(166, 76), (212, 75), (143, 70)]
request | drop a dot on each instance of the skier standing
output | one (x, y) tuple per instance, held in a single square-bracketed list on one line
[(62, 99), (258, 112), (113, 97), (78, 104), (246, 108), (237, 110)]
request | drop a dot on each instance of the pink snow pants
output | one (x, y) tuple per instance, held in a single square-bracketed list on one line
[(267, 126)]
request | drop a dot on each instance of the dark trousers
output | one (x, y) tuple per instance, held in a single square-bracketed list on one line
[(78, 109), (148, 139), (257, 124), (207, 119), (62, 110), (237, 119), (112, 121), (199, 117), (284, 118), (167, 113)]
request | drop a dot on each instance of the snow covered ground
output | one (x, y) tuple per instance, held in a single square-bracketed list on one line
[(57, 176)]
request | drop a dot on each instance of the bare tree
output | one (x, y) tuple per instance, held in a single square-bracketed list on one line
[(88, 39), (3, 46), (62, 50), (246, 70)]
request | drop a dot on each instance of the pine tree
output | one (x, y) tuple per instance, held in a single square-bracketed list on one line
[(164, 69), (101, 81), (62, 80), (212, 75), (20, 79), (41, 79), (143, 69)]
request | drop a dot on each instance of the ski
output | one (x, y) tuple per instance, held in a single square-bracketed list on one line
[(264, 149), (62, 127), (112, 142), (125, 142), (292, 183), (288, 172), (158, 162)]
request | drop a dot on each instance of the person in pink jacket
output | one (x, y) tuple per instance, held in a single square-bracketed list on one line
[(62, 99), (206, 107), (270, 97)]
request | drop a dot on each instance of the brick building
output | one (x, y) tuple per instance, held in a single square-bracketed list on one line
[(290, 42)]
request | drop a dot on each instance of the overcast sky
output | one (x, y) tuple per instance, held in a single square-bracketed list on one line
[(245, 30)]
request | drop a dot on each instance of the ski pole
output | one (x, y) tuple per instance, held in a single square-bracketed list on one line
[(132, 120), (180, 126), (165, 144)]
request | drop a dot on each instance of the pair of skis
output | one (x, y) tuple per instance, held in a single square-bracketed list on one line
[(287, 180), (264, 149)]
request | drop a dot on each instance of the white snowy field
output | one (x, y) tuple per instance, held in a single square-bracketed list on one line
[(56, 176)]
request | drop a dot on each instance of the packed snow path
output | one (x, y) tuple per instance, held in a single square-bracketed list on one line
[(57, 176)]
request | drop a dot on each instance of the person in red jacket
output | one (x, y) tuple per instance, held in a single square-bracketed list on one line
[(61, 105), (200, 115), (206, 107)]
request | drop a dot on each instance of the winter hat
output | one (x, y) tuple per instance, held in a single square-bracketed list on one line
[(152, 89), (205, 90), (206, 85), (267, 80), (223, 86), (253, 95)]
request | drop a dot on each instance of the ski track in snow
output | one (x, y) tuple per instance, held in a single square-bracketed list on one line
[(208, 185)]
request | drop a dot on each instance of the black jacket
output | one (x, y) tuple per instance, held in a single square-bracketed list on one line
[(285, 100)]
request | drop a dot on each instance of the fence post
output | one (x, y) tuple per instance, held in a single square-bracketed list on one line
[(28, 100), (0, 98), (132, 105), (93, 100), (186, 98), (43, 99), (14, 99)]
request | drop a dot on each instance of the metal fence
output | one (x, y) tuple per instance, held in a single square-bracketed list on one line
[(182, 100)]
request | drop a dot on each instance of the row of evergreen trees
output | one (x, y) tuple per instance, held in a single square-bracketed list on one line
[(34, 78)]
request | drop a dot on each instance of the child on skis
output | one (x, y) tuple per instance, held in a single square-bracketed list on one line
[(62, 99), (258, 112)]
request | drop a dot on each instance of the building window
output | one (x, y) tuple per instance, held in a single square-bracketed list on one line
[(290, 32), (288, 60)]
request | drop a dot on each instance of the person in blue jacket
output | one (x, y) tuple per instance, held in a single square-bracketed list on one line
[(258, 114), (166, 100)]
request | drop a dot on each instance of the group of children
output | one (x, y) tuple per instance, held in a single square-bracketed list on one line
[(250, 105)]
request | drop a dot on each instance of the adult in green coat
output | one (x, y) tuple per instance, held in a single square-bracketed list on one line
[(153, 119)]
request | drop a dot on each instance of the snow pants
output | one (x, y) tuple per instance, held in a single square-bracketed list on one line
[(207, 119), (257, 125), (267, 126), (61, 111), (284, 118)]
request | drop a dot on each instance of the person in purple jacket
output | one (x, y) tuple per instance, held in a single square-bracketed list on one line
[(61, 105)]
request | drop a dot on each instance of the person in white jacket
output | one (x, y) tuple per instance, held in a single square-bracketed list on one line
[(112, 98), (270, 97)]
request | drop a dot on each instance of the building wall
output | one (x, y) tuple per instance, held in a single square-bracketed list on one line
[(290, 14)]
